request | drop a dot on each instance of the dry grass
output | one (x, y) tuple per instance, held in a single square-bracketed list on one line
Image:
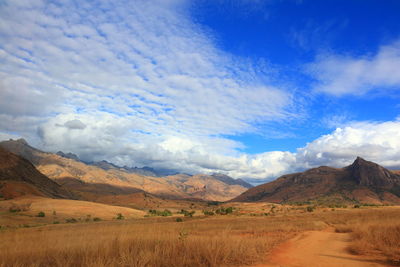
[(213, 241), (152, 242), (375, 231), (378, 234)]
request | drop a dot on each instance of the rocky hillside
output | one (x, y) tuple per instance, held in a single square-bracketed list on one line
[(363, 182), (19, 177)]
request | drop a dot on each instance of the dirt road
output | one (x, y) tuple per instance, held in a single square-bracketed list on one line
[(318, 249)]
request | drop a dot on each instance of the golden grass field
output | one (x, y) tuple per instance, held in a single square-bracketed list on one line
[(221, 240)]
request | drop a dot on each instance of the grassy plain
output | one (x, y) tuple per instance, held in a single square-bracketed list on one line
[(242, 238)]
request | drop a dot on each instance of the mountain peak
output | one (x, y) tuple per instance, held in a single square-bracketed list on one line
[(21, 141), (368, 173), (361, 161)]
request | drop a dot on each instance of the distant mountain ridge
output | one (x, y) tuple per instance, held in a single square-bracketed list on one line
[(229, 180), (110, 177), (361, 182), (68, 155), (105, 165)]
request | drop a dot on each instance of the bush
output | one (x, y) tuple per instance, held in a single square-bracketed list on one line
[(356, 206), (166, 213), (160, 213), (207, 212), (14, 209), (224, 211), (71, 220), (96, 219), (120, 216), (310, 208), (41, 214), (56, 222), (187, 213), (179, 220)]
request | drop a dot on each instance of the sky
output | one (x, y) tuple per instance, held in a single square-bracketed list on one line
[(249, 88)]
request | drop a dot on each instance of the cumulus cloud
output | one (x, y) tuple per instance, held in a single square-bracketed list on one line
[(341, 74), (378, 142)]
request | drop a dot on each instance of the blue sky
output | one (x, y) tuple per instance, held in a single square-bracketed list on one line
[(290, 34), (253, 89)]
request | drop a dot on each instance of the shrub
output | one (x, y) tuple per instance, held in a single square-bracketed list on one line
[(187, 213), (184, 212), (207, 212), (166, 213), (356, 206), (160, 213), (71, 220), (224, 211), (41, 214), (310, 208), (96, 219), (56, 222), (14, 209), (120, 216), (179, 220), (153, 212)]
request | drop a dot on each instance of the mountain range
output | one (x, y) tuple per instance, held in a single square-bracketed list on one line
[(25, 169), (97, 180)]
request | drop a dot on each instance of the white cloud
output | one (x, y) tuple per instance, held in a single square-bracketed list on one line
[(138, 58), (340, 75), (132, 81), (378, 142), (137, 83)]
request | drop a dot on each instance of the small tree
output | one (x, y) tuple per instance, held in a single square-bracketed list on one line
[(41, 214), (166, 213)]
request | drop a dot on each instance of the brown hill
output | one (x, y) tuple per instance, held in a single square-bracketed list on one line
[(94, 178), (363, 181), (58, 210), (19, 177)]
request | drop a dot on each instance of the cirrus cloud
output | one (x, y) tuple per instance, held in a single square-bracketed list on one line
[(347, 75)]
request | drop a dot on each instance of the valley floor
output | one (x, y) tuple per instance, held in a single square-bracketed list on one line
[(251, 236)]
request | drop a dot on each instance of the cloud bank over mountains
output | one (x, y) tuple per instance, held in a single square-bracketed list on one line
[(139, 83)]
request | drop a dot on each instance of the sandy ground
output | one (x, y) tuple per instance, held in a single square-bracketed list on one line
[(318, 249)]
